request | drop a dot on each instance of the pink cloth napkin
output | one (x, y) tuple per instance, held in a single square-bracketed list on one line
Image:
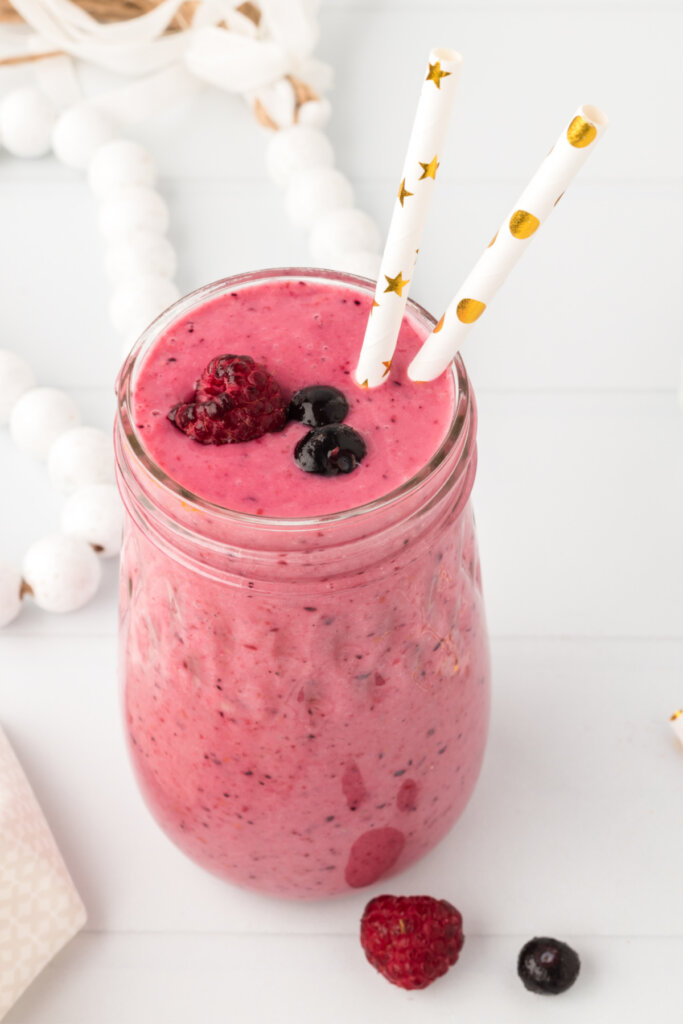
[(40, 909)]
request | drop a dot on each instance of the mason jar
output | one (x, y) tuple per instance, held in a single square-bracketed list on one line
[(306, 700)]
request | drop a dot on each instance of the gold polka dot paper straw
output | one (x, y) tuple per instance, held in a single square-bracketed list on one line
[(413, 195), (577, 141)]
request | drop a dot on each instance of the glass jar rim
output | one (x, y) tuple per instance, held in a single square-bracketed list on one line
[(457, 436)]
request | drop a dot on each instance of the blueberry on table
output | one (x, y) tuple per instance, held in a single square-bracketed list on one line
[(548, 966), (317, 405), (330, 450)]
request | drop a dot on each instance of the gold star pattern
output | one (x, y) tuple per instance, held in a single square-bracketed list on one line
[(403, 192), (387, 366), (374, 305), (365, 383), (396, 284), (429, 170), (435, 74), (439, 325)]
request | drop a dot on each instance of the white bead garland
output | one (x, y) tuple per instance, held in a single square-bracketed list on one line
[(359, 261), (135, 303), (10, 593), (140, 253), (83, 455), (294, 149), (300, 159), (117, 164), (26, 120), (39, 417), (315, 191), (78, 132), (315, 113), (342, 231), (134, 208), (16, 377), (133, 218), (95, 514), (62, 572)]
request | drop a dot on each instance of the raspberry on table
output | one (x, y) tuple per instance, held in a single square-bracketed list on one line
[(411, 940), (236, 399), (547, 966)]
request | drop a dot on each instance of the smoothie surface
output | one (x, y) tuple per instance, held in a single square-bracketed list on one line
[(305, 331)]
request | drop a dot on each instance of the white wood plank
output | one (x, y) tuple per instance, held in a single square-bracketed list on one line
[(579, 503), (31, 509), (590, 305), (55, 307), (579, 499), (179, 978), (576, 805), (527, 68), (573, 829), (495, 6)]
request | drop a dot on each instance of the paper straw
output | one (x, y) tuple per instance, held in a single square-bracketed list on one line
[(677, 724), (536, 202), (410, 212)]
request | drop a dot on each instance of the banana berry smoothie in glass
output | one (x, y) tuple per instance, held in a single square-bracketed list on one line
[(303, 644)]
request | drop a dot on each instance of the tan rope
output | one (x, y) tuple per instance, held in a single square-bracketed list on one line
[(28, 58), (106, 11), (302, 94), (103, 11)]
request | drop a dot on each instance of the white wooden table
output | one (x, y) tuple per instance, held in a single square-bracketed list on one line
[(576, 828)]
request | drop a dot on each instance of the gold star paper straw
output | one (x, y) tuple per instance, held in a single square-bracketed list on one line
[(577, 141), (413, 195), (677, 724)]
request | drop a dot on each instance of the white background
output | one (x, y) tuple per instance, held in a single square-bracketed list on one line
[(576, 828)]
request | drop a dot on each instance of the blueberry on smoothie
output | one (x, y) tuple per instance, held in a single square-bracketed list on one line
[(330, 450), (318, 405)]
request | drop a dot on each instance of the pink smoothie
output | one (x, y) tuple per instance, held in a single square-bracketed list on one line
[(305, 333), (308, 736)]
